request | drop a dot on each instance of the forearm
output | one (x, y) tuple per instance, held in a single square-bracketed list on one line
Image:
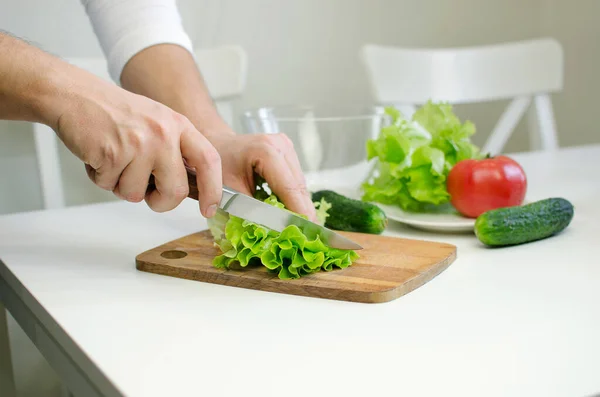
[(168, 74), (25, 81), (149, 53), (36, 86)]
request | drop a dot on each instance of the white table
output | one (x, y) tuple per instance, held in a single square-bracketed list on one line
[(519, 321)]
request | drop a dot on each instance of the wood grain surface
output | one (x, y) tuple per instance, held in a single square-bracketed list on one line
[(388, 268)]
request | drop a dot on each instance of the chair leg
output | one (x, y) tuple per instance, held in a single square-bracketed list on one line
[(46, 146), (506, 124), (7, 379), (542, 126)]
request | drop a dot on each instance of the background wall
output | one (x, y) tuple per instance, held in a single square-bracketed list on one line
[(306, 51)]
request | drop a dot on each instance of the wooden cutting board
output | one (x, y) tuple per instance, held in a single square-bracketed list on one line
[(388, 268)]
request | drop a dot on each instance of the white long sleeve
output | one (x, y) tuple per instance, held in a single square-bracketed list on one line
[(125, 27)]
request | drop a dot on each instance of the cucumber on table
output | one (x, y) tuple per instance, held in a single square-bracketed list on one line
[(525, 223), (351, 215)]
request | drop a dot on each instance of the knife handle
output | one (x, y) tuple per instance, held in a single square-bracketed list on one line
[(193, 186)]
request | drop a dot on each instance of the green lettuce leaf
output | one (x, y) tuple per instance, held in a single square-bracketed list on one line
[(289, 254), (414, 157), (321, 208)]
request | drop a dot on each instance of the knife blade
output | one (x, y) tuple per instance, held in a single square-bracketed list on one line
[(271, 217)]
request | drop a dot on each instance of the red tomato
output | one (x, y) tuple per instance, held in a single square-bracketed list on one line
[(476, 186)]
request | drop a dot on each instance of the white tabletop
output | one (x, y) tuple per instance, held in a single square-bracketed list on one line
[(518, 321)]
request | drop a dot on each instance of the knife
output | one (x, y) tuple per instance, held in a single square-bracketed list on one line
[(271, 217)]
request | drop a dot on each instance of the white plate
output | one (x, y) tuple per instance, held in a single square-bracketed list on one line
[(450, 221)]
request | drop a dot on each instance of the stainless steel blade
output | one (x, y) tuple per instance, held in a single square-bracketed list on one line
[(277, 219)]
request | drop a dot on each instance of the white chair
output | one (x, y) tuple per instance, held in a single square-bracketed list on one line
[(224, 71), (523, 71)]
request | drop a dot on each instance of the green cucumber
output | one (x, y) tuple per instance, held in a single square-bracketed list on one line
[(525, 223), (351, 215)]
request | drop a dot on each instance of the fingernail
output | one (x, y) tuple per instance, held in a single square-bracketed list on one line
[(211, 211)]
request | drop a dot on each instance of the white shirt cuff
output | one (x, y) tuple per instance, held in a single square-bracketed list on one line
[(125, 28), (140, 39)]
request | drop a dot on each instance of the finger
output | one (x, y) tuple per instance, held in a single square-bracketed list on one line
[(202, 156), (291, 158), (170, 180), (106, 170), (133, 182), (241, 184), (104, 177), (287, 147), (272, 165)]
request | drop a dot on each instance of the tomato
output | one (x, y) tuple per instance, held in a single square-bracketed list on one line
[(476, 186)]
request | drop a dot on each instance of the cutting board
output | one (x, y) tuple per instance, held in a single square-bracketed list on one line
[(388, 268)]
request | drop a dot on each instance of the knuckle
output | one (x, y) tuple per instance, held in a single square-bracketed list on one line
[(159, 128), (265, 139), (162, 135), (127, 193), (137, 139), (173, 194), (92, 158), (135, 197), (180, 119), (109, 154), (180, 123), (105, 185), (156, 203), (271, 151), (163, 204), (287, 141), (103, 181)]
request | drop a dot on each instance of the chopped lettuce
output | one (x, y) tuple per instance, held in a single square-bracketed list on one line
[(289, 254), (415, 156), (321, 208)]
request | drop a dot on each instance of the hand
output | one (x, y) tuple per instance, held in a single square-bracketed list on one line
[(123, 138), (169, 74), (271, 156)]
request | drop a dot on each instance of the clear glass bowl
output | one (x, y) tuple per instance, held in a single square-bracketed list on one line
[(325, 137)]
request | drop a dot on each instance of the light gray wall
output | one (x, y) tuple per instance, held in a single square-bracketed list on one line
[(306, 51)]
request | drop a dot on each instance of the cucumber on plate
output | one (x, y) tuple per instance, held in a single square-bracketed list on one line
[(525, 223)]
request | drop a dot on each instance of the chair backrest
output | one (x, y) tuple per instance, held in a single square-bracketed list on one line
[(224, 70), (522, 70)]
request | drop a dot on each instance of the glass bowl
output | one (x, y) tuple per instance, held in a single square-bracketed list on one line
[(325, 137)]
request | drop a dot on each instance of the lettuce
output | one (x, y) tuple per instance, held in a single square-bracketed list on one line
[(415, 156), (321, 208), (289, 254)]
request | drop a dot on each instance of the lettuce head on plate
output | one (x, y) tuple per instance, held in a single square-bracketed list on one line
[(414, 157)]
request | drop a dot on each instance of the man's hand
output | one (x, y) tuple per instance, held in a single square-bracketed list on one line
[(168, 74), (122, 137), (271, 156)]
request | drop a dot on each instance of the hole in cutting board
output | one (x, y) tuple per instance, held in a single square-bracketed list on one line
[(173, 254)]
